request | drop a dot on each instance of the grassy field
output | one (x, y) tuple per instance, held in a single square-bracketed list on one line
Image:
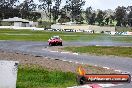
[(102, 50), (36, 77), (29, 35)]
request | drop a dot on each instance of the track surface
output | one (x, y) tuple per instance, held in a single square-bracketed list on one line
[(39, 48)]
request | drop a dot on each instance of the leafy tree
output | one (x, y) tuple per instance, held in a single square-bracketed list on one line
[(50, 10), (107, 20), (56, 10), (7, 8), (75, 7), (120, 15), (34, 16), (100, 17), (63, 17), (112, 18), (79, 19), (93, 19), (108, 16), (27, 10), (129, 8), (8, 3), (55, 13), (46, 6), (90, 16)]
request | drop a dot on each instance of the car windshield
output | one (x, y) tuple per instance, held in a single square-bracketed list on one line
[(55, 37)]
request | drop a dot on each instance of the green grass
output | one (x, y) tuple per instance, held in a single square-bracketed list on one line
[(29, 35), (102, 50), (36, 77)]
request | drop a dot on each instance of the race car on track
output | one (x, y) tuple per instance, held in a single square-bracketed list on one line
[(55, 40)]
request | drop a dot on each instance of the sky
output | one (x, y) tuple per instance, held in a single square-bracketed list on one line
[(107, 4), (102, 4)]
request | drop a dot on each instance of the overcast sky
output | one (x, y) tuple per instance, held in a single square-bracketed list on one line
[(103, 4), (107, 4)]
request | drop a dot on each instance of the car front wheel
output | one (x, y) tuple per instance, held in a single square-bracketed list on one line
[(50, 44)]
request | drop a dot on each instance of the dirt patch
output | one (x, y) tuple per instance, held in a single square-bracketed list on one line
[(51, 64)]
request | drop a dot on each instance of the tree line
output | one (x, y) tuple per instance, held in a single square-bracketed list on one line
[(72, 10), (122, 15), (13, 8)]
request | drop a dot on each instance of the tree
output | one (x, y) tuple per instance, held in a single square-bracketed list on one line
[(129, 8), (120, 15), (8, 3), (27, 6), (112, 18), (27, 10), (107, 20), (90, 16), (56, 10), (93, 19), (34, 16), (108, 16), (75, 7), (79, 19), (8, 8), (100, 17), (63, 17), (47, 7)]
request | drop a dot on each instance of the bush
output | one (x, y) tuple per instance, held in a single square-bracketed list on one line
[(44, 24)]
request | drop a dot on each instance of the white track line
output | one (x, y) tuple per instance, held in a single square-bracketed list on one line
[(97, 45), (65, 52), (70, 61), (64, 60), (75, 54), (96, 65), (106, 67), (117, 70), (77, 62), (108, 85), (53, 51)]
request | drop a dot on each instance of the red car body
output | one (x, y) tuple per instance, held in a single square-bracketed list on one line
[(55, 40)]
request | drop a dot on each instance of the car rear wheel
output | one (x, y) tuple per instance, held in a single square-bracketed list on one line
[(61, 44)]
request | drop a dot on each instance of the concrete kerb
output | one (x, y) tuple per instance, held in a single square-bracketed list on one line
[(8, 73)]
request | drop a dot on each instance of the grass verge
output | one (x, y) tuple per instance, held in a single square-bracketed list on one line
[(102, 50), (36, 77)]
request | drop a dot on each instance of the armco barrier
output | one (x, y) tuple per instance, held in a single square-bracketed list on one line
[(8, 74)]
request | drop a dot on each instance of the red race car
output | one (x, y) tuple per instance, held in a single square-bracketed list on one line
[(55, 40)]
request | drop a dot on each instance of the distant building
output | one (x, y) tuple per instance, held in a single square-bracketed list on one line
[(19, 22)]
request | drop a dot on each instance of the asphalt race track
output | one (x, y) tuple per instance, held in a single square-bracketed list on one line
[(40, 49)]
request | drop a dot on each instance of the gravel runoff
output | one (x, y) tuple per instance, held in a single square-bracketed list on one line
[(49, 63)]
